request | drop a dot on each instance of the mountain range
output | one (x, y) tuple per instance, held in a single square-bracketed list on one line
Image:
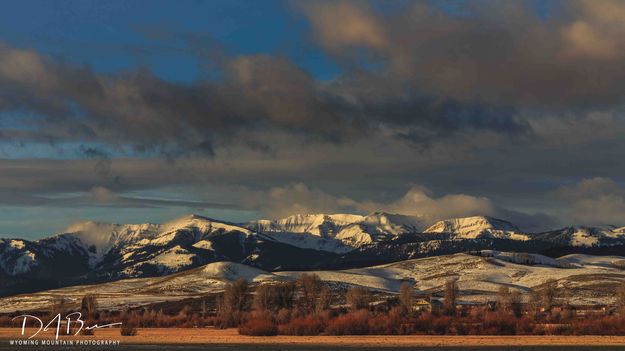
[(92, 252)]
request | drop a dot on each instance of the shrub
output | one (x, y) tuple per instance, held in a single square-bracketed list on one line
[(440, 325), (354, 323), (500, 323), (303, 326), (525, 326), (128, 330), (258, 327), (358, 298), (608, 325), (381, 324), (283, 316), (228, 320)]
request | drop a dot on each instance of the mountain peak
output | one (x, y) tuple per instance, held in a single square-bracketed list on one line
[(203, 223), (338, 232), (584, 236), (476, 226)]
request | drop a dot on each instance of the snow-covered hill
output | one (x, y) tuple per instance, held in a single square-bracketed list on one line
[(338, 233), (582, 279)]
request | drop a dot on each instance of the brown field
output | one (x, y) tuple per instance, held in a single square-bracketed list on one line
[(210, 336)]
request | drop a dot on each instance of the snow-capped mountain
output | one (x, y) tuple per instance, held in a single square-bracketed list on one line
[(17, 257), (338, 233), (478, 227), (584, 236), (91, 252), (96, 239)]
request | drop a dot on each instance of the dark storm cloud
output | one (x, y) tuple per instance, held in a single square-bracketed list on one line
[(138, 109), (502, 52), (414, 71), (505, 106), (259, 92)]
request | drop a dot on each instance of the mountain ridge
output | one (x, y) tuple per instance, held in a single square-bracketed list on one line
[(94, 251)]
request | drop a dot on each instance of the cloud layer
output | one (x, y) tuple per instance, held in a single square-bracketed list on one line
[(503, 52), (491, 107), (595, 201)]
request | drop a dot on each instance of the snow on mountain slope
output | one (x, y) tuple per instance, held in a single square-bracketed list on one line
[(588, 281), (202, 224), (98, 238), (92, 251), (17, 258), (317, 224), (178, 244), (126, 249), (171, 260), (478, 226), (338, 233), (394, 224), (583, 236)]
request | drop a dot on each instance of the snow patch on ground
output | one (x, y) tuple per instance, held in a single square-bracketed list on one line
[(588, 280)]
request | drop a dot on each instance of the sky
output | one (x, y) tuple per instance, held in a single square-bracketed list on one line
[(136, 111)]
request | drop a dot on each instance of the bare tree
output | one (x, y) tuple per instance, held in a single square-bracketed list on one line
[(406, 295), (231, 303), (58, 305), (274, 296), (503, 298), (309, 285), (515, 303), (549, 293), (357, 298), (203, 308), (325, 299), (89, 306), (534, 302), (235, 294), (285, 293), (451, 295), (620, 297), (265, 297)]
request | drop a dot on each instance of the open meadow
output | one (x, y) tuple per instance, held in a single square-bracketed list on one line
[(229, 339)]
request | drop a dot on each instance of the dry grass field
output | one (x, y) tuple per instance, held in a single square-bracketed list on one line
[(209, 336)]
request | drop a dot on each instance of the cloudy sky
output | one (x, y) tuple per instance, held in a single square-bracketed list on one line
[(134, 111)]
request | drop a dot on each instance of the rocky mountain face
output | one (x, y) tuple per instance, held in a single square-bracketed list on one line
[(584, 236), (102, 252), (478, 227), (337, 233), (96, 252)]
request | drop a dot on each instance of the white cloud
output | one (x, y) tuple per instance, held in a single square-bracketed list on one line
[(418, 201), (595, 201)]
